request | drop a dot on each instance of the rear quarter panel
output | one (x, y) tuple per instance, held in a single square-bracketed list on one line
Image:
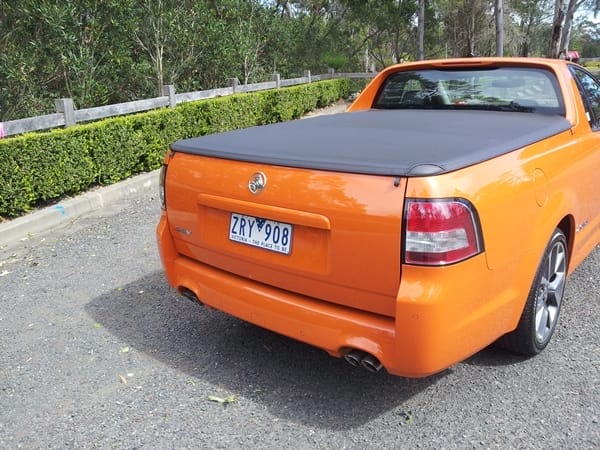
[(524, 195), (521, 197)]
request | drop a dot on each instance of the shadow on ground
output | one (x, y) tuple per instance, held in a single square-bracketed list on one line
[(292, 380)]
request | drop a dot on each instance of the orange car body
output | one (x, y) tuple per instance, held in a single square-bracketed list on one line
[(343, 282)]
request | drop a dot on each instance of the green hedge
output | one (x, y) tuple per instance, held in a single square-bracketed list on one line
[(37, 168)]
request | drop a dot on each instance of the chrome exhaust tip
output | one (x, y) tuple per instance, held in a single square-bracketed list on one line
[(189, 294), (354, 357), (358, 358), (371, 363)]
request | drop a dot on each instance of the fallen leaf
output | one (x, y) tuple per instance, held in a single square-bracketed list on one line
[(122, 379), (97, 325), (124, 350), (407, 417), (228, 399)]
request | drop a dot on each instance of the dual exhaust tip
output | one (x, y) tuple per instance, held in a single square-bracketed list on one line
[(358, 358)]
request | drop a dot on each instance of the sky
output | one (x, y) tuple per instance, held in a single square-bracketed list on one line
[(587, 14)]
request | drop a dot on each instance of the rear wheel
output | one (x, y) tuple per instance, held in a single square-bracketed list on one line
[(542, 308)]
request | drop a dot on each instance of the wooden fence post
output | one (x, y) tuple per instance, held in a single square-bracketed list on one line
[(277, 79), (233, 83), (169, 91), (66, 108), (307, 75)]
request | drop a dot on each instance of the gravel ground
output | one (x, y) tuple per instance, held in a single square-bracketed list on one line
[(97, 351)]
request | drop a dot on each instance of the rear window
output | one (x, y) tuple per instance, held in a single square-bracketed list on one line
[(500, 89)]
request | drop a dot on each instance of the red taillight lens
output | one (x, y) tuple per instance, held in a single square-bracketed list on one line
[(439, 232), (161, 186)]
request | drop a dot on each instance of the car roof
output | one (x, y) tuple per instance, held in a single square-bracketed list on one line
[(478, 62)]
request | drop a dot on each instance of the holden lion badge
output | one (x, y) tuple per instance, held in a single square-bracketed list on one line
[(257, 182)]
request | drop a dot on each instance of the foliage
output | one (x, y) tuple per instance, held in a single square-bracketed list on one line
[(39, 167), (586, 39), (75, 48), (111, 51)]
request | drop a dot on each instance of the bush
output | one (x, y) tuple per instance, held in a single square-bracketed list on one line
[(593, 67), (40, 167)]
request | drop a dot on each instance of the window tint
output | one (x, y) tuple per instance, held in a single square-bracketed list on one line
[(589, 89), (499, 88)]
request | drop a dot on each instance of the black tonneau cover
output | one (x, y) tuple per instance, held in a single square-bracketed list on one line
[(382, 142)]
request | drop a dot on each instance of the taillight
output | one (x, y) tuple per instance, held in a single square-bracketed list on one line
[(441, 231), (161, 186)]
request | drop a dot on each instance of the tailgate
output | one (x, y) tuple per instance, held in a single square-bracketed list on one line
[(332, 236)]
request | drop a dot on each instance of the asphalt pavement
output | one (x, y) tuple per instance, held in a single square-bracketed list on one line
[(97, 351)]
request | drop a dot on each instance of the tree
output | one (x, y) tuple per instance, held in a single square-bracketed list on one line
[(499, 16), (73, 48), (174, 35), (109, 51), (245, 49), (466, 28), (563, 24), (588, 39), (421, 30), (387, 27), (530, 16)]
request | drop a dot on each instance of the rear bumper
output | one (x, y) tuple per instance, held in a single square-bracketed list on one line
[(429, 332)]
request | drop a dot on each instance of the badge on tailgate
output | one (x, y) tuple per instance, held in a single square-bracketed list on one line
[(263, 233)]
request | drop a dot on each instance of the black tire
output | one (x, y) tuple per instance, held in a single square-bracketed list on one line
[(540, 315)]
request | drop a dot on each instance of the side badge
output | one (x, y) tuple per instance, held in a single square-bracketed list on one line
[(183, 231)]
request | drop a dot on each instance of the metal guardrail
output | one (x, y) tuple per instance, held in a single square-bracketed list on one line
[(66, 114)]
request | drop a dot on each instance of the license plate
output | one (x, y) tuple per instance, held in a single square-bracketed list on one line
[(263, 233)]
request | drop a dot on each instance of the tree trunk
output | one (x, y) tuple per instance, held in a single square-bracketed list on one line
[(470, 50), (566, 31), (421, 29), (286, 8), (524, 47), (557, 22), (499, 15)]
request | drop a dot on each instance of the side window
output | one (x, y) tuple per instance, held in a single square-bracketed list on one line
[(589, 89)]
